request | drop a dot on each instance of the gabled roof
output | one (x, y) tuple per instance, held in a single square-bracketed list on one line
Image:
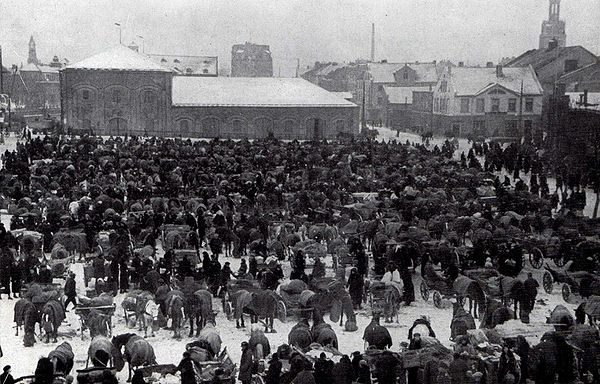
[(119, 58), (188, 65), (384, 72), (539, 58), (590, 70), (31, 67), (402, 95), (252, 92), (469, 81)]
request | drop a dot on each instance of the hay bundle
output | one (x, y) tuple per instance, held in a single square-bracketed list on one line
[(59, 252), (72, 241)]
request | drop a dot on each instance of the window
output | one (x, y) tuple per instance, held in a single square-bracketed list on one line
[(211, 127), (444, 105), (184, 127), (570, 65), (340, 126), (205, 71), (237, 126), (116, 96), (444, 86), (480, 106), (87, 125), (380, 100), (527, 124), (85, 95), (149, 97), (512, 105), (512, 128), (479, 126), (495, 105), (529, 104), (436, 104), (189, 71), (464, 105), (405, 75)]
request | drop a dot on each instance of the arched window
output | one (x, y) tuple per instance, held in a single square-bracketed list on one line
[(288, 129), (184, 127), (149, 97), (340, 125), (211, 127), (116, 96), (238, 128), (263, 127)]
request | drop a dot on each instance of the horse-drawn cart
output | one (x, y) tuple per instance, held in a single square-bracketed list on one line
[(99, 317), (385, 297), (462, 288), (576, 285)]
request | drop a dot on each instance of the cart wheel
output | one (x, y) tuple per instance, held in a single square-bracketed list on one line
[(548, 282), (424, 291), (437, 299), (536, 258), (566, 292), (559, 261)]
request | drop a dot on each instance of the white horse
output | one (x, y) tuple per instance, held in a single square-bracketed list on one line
[(149, 318)]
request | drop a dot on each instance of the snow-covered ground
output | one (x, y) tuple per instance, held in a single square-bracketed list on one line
[(168, 350)]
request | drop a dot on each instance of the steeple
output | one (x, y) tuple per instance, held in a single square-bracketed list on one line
[(553, 30), (32, 58)]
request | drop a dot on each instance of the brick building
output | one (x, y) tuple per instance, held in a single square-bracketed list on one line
[(121, 92), (488, 102), (251, 60)]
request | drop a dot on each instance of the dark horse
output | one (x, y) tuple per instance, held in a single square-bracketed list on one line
[(261, 304), (27, 316), (137, 352), (322, 332), (198, 308), (300, 335)]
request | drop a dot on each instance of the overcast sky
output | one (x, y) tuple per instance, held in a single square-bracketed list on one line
[(474, 31)]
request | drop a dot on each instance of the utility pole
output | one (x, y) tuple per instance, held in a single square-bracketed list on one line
[(362, 119), (142, 37), (1, 73), (372, 42), (297, 67), (120, 37), (521, 109)]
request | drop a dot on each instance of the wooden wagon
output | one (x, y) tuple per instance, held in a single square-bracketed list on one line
[(107, 311)]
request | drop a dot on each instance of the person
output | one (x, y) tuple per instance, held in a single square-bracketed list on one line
[(6, 267), (6, 377), (415, 344), (242, 270), (385, 367), (391, 275), (377, 335), (305, 376), (523, 349), (458, 368), (319, 268), (98, 267), (342, 372), (246, 363), (323, 369), (531, 290), (70, 291), (274, 370), (189, 369), (508, 369), (355, 287), (356, 358), (138, 377), (364, 373)]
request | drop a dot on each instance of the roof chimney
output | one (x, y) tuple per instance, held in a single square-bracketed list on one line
[(499, 72), (489, 64), (461, 64)]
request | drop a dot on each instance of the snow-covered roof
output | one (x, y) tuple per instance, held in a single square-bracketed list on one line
[(119, 58), (402, 95), (344, 95), (469, 81), (254, 92), (188, 65), (384, 72)]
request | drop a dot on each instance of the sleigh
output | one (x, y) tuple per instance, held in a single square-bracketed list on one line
[(106, 311)]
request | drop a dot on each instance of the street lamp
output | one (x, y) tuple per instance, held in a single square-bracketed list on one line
[(119, 25)]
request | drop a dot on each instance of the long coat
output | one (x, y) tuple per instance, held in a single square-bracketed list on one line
[(246, 366)]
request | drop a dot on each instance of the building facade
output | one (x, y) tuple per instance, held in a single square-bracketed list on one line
[(251, 60), (553, 29), (489, 102), (121, 92)]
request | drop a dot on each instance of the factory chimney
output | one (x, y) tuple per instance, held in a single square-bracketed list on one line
[(372, 42)]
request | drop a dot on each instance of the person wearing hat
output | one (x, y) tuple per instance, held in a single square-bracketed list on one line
[(6, 377), (458, 368), (189, 369), (246, 363), (70, 291)]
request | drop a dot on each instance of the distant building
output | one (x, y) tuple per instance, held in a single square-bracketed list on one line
[(251, 60), (122, 92), (553, 62), (189, 65), (488, 102), (553, 29), (586, 78)]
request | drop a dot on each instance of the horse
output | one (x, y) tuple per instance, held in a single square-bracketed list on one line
[(22, 306), (62, 358), (461, 321), (100, 352), (259, 344), (199, 309), (149, 318), (210, 335), (97, 323), (52, 315), (300, 335), (322, 332), (495, 314), (513, 289), (137, 352), (258, 304)]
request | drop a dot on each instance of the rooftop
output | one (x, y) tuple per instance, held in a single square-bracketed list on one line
[(539, 58), (252, 92), (469, 81), (188, 65), (384, 72), (119, 58)]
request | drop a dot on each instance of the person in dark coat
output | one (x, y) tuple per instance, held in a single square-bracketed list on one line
[(531, 290), (274, 370), (364, 373), (409, 288), (206, 262), (253, 266), (342, 372), (6, 377), (356, 358), (458, 369), (385, 367), (98, 267), (70, 291), (246, 363), (523, 350), (415, 343), (18, 273), (188, 369), (123, 276), (138, 377), (243, 269), (323, 369), (377, 335), (356, 287), (508, 372), (6, 267), (225, 275)]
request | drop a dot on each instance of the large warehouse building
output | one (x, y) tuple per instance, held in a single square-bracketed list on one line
[(121, 92)]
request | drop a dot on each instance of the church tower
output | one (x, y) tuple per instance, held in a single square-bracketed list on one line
[(553, 29), (32, 58)]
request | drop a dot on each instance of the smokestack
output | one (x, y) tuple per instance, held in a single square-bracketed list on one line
[(372, 42)]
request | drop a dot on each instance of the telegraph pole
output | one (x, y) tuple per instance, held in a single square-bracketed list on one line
[(119, 25), (1, 73)]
